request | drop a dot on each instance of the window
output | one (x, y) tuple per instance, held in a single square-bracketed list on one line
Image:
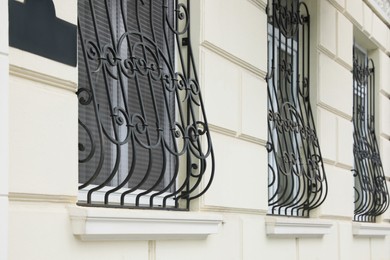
[(142, 124), (297, 182), (371, 193)]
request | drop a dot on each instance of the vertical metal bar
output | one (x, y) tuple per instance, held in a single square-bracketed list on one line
[(297, 178), (158, 125)]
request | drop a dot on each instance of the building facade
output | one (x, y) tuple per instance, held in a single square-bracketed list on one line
[(44, 214)]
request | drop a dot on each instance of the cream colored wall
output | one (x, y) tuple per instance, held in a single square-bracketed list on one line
[(4, 129), (231, 49)]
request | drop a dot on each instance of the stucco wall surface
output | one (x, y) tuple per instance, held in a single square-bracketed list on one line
[(231, 49)]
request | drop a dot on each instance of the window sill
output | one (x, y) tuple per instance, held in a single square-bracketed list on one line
[(285, 227), (370, 230), (96, 224)]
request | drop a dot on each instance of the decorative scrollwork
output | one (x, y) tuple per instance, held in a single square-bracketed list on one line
[(297, 181), (142, 121), (371, 193)]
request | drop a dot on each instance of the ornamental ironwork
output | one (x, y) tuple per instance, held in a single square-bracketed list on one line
[(371, 193), (144, 140), (297, 181)]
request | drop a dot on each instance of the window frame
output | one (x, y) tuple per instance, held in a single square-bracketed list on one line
[(291, 19), (194, 180), (371, 192), (291, 48)]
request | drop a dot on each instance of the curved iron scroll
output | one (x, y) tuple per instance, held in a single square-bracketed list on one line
[(143, 135), (297, 181), (371, 193)]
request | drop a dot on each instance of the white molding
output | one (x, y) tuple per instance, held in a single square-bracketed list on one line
[(370, 229), (234, 134), (222, 130), (42, 78), (30, 197), (234, 59), (384, 15), (323, 50), (337, 164), (259, 4), (333, 110), (338, 6), (102, 224), (285, 227), (222, 209), (252, 139)]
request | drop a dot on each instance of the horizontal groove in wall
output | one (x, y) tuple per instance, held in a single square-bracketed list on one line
[(252, 139), (385, 136), (234, 134), (334, 57), (243, 64), (353, 20), (222, 130), (361, 27), (337, 6), (28, 197), (337, 218), (384, 93), (219, 209), (377, 43), (328, 161), (42, 78), (322, 49), (334, 111), (260, 4), (344, 64), (338, 164), (371, 4), (344, 166)]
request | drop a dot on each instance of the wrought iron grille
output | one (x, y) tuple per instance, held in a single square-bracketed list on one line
[(297, 181), (371, 193), (143, 135)]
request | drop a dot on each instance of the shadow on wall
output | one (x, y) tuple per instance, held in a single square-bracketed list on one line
[(34, 27)]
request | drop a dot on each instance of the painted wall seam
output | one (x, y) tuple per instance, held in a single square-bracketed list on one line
[(42, 78), (334, 111), (243, 64), (334, 57), (259, 4), (28, 197)]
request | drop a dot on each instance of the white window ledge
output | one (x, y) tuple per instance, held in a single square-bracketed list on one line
[(370, 230), (121, 224), (285, 227)]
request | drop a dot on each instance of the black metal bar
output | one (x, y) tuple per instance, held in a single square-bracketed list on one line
[(297, 180), (371, 192), (141, 114)]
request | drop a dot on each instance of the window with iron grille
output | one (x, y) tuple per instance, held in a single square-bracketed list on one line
[(143, 135), (371, 193), (297, 181)]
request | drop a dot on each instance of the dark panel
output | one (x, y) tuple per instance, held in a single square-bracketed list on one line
[(34, 27)]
